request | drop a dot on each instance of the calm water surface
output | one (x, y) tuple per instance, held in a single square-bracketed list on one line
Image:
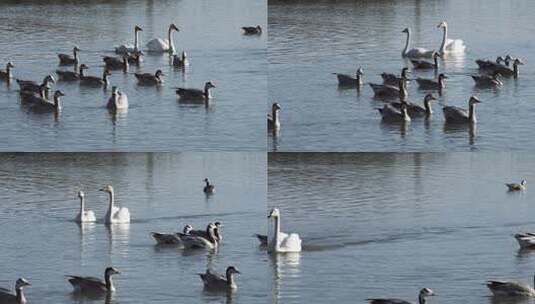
[(33, 33), (386, 225), (41, 242), (310, 40)]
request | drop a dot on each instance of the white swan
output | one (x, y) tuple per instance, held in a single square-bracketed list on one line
[(416, 52), (128, 48), (159, 45), (118, 101), (115, 215), (85, 216), (280, 241), (453, 46)]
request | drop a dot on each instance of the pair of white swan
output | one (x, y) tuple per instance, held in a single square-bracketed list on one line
[(448, 46), (156, 45), (114, 215), (279, 241)]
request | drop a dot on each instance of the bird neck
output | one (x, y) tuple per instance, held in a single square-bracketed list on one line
[(8, 71), (21, 299), (170, 39), (472, 113), (515, 70), (444, 39), (276, 234), (105, 78), (230, 279), (57, 102), (112, 202), (275, 116), (359, 79), (436, 62), (421, 299), (207, 92), (407, 42), (441, 83), (109, 282), (81, 205), (427, 106), (136, 47)]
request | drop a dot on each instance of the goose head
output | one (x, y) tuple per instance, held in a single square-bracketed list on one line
[(406, 30), (10, 65), (436, 55), (404, 72), (49, 78), (111, 271), (442, 24), (75, 49), (517, 61), (81, 194), (218, 225), (499, 59), (83, 66), (21, 282), (187, 229), (173, 27), (158, 74), (360, 71), (275, 107), (259, 28), (507, 60), (429, 97), (275, 213), (232, 270), (441, 77), (107, 188), (58, 94), (426, 292), (523, 182), (137, 28), (206, 180), (209, 85), (473, 100), (184, 56)]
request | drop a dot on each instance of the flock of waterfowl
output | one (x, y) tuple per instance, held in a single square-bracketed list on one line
[(393, 91), (36, 97)]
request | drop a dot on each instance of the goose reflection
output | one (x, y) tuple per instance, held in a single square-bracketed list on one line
[(395, 127), (453, 129)]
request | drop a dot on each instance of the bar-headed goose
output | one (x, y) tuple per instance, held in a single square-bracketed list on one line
[(391, 114), (93, 80), (128, 48), (252, 30), (426, 65), (170, 238), (345, 80), (158, 45), (115, 215), (92, 284), (149, 79), (385, 91), (208, 188), (180, 61), (40, 104), (273, 120), (7, 75), (416, 110), (84, 216), (70, 75), (215, 281), (7, 297), (209, 242), (196, 94), (416, 52), (280, 241), (432, 84), (454, 114), (392, 79), (517, 187), (204, 233), (422, 298), (65, 59), (450, 46), (116, 63), (118, 100), (509, 288)]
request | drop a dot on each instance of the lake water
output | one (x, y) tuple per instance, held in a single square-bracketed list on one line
[(386, 225), (210, 32), (41, 242), (310, 40)]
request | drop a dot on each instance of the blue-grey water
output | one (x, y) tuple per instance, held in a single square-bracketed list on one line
[(310, 40), (33, 32), (163, 192), (386, 225)]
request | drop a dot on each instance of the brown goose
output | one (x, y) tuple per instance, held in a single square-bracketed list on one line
[(94, 285), (196, 94), (426, 65), (517, 187), (170, 238), (180, 61), (350, 81), (116, 63), (65, 59), (215, 281), (391, 114), (511, 289), (392, 79), (93, 80), (416, 110), (252, 30), (208, 188), (40, 104), (70, 75), (388, 91), (7, 297), (422, 298), (432, 84), (149, 79), (273, 121), (458, 115), (32, 86)]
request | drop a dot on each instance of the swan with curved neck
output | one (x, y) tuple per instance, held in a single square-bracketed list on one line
[(280, 241), (159, 45), (449, 45), (115, 215), (128, 48), (84, 216), (18, 298), (416, 52)]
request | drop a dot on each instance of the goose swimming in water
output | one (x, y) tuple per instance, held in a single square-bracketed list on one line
[(488, 80), (7, 297), (69, 75), (196, 94), (389, 91), (180, 61), (159, 45), (426, 65), (149, 79), (192, 241), (84, 216), (345, 80), (92, 80), (217, 232), (280, 241), (29, 97), (126, 48), (94, 285), (115, 215), (6, 75), (486, 64), (215, 281), (40, 104), (458, 115), (208, 188), (517, 187), (416, 52), (118, 100), (390, 114), (415, 110), (116, 63), (32, 86), (171, 238), (422, 298), (252, 30), (525, 240), (508, 72), (65, 59), (450, 46), (392, 79), (508, 288), (432, 84), (273, 120)]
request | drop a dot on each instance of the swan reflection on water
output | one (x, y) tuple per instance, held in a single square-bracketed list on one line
[(284, 265)]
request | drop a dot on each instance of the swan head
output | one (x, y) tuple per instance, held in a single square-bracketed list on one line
[(107, 188), (10, 65), (442, 24), (360, 71), (58, 94), (232, 270), (473, 100), (21, 282), (406, 30), (137, 28), (187, 229), (173, 27), (81, 194), (523, 182), (429, 97), (275, 106), (274, 213), (426, 292), (111, 271)]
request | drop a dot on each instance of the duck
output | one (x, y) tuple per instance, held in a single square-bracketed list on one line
[(422, 298), (485, 64), (115, 215), (416, 52), (7, 75), (252, 30), (94, 285), (116, 63), (281, 242), (32, 86), (487, 80), (7, 297), (149, 79), (170, 238), (125, 48), (196, 94), (215, 281), (389, 91), (508, 288), (525, 240), (508, 72), (92, 80), (84, 216), (65, 59), (209, 242), (517, 187), (217, 232), (208, 188), (458, 115), (180, 61), (432, 84), (426, 65), (450, 46), (392, 79), (40, 104), (345, 80), (69, 75), (415, 110), (159, 45), (273, 120), (118, 100), (390, 114)]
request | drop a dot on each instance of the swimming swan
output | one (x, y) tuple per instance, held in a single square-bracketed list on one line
[(280, 241), (451, 46), (422, 298), (416, 52), (215, 281), (159, 45), (508, 288), (92, 284), (7, 297), (458, 115), (84, 216), (127, 48), (118, 100), (115, 215)]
